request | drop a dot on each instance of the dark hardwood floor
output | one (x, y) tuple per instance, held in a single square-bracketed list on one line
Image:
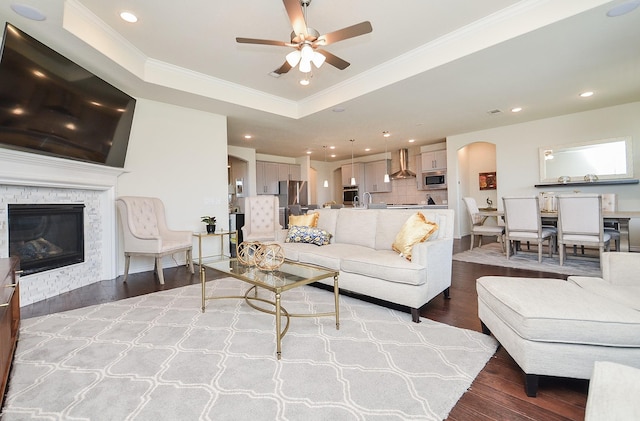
[(496, 394)]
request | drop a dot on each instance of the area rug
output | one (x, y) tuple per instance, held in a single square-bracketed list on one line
[(158, 356), (491, 254)]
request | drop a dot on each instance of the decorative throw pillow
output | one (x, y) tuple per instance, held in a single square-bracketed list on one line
[(415, 230), (308, 220), (310, 235)]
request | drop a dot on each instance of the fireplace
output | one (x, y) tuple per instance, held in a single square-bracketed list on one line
[(46, 236)]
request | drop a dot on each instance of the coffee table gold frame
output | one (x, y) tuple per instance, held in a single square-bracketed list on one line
[(289, 276)]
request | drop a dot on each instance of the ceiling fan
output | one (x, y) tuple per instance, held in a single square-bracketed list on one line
[(306, 41)]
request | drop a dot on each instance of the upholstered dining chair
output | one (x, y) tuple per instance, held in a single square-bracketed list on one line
[(580, 223), (262, 218), (477, 224), (610, 204), (523, 223), (146, 233)]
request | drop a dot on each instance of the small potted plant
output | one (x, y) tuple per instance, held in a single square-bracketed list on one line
[(211, 223)]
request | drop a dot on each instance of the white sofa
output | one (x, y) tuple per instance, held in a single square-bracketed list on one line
[(360, 249), (561, 328)]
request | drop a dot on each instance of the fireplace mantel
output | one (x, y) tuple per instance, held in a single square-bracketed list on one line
[(33, 178), (26, 169)]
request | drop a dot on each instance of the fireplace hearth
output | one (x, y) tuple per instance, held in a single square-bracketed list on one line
[(46, 236)]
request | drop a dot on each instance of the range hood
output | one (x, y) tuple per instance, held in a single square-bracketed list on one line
[(404, 166)]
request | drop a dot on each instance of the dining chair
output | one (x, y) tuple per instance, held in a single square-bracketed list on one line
[(477, 224), (580, 223), (610, 204), (523, 223)]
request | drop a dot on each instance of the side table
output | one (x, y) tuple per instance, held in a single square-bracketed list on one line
[(221, 234)]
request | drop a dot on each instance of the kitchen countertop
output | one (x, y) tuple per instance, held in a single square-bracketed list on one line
[(407, 206)]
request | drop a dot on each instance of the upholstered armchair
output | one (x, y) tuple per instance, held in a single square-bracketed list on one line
[(261, 218), (146, 233)]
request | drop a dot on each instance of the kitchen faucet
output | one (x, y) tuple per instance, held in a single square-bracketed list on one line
[(364, 199)]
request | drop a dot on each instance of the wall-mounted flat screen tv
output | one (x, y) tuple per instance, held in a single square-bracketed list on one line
[(50, 105)]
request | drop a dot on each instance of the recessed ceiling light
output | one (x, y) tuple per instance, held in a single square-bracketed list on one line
[(516, 109), (586, 94), (623, 9), (411, 140), (367, 149), (386, 133), (28, 12), (128, 17), (308, 152), (333, 155), (332, 147), (248, 136), (338, 109)]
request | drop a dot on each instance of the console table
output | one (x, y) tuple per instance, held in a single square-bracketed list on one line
[(9, 317)]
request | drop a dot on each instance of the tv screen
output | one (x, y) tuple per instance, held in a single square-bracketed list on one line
[(50, 105)]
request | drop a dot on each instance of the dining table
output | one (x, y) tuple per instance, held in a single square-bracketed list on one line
[(621, 218)]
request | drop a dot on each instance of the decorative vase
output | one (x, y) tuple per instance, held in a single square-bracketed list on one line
[(211, 229)]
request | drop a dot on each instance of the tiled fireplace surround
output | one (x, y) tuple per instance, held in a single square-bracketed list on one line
[(28, 178)]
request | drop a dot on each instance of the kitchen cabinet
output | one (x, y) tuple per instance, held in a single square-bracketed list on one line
[(356, 170), (266, 177), (289, 172), (374, 176), (436, 160), (9, 317)]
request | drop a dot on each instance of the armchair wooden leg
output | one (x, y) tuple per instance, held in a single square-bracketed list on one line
[(190, 260), (159, 270), (127, 259)]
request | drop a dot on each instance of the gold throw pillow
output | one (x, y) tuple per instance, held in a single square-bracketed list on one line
[(416, 230), (308, 220)]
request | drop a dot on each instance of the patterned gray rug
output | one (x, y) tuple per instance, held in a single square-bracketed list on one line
[(158, 357), (491, 254)]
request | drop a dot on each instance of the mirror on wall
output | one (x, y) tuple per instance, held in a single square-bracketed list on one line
[(605, 159)]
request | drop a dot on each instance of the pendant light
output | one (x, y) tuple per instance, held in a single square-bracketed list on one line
[(386, 166), (326, 182), (353, 178)]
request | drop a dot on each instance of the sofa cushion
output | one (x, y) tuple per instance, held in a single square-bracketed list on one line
[(356, 226), (415, 230), (554, 310), (308, 220), (327, 219), (387, 265), (329, 256), (626, 295), (292, 250), (309, 235)]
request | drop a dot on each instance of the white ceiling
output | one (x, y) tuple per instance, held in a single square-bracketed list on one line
[(429, 69)]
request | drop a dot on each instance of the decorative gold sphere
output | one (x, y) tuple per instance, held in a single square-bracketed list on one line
[(247, 252), (269, 256)]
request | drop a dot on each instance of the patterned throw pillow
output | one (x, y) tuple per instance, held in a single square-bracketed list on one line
[(309, 220), (416, 230), (310, 235)]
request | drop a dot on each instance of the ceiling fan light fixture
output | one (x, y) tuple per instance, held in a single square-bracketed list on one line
[(305, 81), (318, 59), (293, 58), (305, 66), (306, 52)]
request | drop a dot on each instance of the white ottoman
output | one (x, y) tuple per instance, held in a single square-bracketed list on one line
[(555, 328)]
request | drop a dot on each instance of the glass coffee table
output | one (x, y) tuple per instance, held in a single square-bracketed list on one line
[(288, 276)]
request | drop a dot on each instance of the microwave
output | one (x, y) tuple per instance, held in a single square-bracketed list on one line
[(434, 180)]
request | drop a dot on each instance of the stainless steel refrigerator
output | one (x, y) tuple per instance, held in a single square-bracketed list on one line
[(291, 192)]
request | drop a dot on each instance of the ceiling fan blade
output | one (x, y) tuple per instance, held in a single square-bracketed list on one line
[(345, 33), (283, 69), (264, 42), (296, 16), (335, 61)]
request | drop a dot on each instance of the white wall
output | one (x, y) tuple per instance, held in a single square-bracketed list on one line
[(179, 155), (517, 155)]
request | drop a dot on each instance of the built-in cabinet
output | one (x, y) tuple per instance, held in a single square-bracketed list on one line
[(355, 170), (267, 176), (435, 160), (9, 317), (374, 176), (289, 172), (269, 173)]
